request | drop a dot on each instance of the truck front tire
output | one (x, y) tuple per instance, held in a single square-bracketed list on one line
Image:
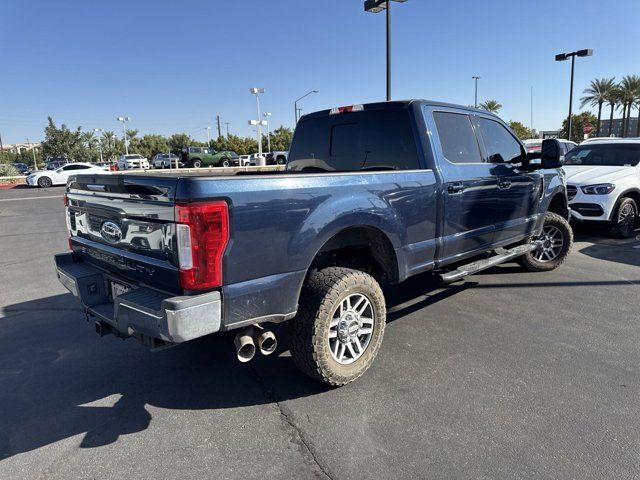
[(339, 327), (557, 239)]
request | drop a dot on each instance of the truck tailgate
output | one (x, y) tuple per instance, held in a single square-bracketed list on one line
[(124, 224)]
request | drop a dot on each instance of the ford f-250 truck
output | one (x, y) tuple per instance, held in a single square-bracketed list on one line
[(372, 195)]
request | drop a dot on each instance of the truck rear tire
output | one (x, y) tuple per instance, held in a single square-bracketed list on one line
[(338, 330), (197, 163), (557, 238), (225, 162)]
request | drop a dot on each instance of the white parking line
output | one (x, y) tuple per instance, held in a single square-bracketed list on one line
[(28, 198)]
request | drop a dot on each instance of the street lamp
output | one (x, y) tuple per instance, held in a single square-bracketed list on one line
[(257, 91), (475, 103), (209, 137), (124, 132), (295, 104), (266, 119), (99, 131), (376, 6), (561, 57)]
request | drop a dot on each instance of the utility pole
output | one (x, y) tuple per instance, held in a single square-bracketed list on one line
[(218, 121), (227, 125), (208, 136), (1, 147)]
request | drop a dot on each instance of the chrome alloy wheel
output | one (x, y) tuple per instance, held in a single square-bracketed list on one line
[(351, 328), (627, 218), (551, 243)]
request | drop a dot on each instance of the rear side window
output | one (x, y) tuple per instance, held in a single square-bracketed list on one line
[(457, 138), (375, 139), (500, 144)]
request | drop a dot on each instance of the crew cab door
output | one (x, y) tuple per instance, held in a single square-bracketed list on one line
[(469, 192), (518, 189)]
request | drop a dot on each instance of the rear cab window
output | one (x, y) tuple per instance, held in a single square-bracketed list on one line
[(376, 139)]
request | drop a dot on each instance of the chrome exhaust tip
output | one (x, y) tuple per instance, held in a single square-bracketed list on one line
[(265, 340), (245, 347)]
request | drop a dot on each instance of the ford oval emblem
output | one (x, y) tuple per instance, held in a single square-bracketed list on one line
[(111, 232)]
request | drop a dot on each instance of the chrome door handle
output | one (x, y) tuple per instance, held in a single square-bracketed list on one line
[(454, 188)]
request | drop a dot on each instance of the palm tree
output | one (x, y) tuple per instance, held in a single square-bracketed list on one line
[(491, 106), (613, 98), (596, 94), (629, 91), (638, 123)]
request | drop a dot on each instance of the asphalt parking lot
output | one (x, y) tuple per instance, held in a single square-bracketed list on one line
[(506, 375)]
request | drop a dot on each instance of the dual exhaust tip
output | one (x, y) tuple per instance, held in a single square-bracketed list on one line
[(252, 338)]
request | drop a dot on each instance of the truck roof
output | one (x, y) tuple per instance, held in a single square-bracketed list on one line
[(394, 104)]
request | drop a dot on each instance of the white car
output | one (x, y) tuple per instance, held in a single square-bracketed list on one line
[(47, 178), (165, 160), (244, 160), (603, 183), (132, 161)]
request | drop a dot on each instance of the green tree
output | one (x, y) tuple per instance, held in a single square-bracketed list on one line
[(520, 130), (596, 94), (629, 94), (62, 141), (280, 139), (151, 144), (491, 106), (577, 121), (613, 100), (178, 141)]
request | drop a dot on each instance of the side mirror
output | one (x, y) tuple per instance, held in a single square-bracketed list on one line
[(551, 156)]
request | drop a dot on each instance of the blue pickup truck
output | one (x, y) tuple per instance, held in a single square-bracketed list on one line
[(372, 194)]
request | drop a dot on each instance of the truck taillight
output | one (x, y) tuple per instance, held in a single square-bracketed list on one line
[(202, 236), (65, 200)]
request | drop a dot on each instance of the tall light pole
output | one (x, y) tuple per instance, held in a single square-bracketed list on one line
[(257, 91), (266, 119), (561, 57), (124, 132), (375, 6), (475, 102), (209, 137), (295, 104), (99, 131)]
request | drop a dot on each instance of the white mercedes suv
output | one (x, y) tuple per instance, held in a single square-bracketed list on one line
[(603, 183)]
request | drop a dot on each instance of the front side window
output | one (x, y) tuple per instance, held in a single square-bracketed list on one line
[(457, 138), (500, 144)]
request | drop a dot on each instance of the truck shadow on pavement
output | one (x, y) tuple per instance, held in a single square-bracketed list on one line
[(58, 379)]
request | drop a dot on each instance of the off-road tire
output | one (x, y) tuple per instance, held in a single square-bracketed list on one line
[(617, 229), (309, 330), (528, 260), (44, 182), (197, 163), (225, 162)]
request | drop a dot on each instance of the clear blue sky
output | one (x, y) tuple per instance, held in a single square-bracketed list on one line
[(172, 66)]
